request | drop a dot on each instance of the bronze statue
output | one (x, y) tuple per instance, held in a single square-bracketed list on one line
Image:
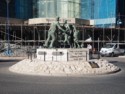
[(76, 37), (67, 34), (69, 31), (53, 33)]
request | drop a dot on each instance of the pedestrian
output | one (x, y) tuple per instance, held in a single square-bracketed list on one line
[(90, 50)]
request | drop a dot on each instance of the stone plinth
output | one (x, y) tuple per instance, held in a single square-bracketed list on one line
[(63, 54), (70, 68)]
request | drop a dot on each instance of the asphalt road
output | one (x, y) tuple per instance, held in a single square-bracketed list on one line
[(12, 83)]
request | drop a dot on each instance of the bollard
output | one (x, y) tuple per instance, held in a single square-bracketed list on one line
[(52, 58), (44, 56), (34, 55), (98, 55), (86, 55), (56, 55), (30, 56), (67, 56)]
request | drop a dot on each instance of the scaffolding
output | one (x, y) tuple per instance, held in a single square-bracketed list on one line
[(35, 35)]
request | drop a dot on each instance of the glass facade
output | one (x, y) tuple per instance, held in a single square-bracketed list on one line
[(53, 8), (102, 11), (23, 9), (3, 8), (105, 13), (86, 9)]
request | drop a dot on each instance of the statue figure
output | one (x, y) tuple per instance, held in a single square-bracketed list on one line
[(67, 34), (53, 33), (71, 41), (76, 36)]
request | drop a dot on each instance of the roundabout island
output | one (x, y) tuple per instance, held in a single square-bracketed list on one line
[(54, 60), (71, 68)]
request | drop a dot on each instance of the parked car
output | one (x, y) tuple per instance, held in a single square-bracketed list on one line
[(113, 49)]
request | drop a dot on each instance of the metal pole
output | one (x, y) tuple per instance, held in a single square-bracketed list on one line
[(118, 33), (86, 55), (67, 56), (103, 34), (15, 37), (83, 35), (5, 34), (21, 35), (38, 35), (98, 44), (98, 49), (111, 27), (124, 36), (8, 38), (34, 38), (45, 32), (111, 35), (119, 23), (44, 56), (93, 37)]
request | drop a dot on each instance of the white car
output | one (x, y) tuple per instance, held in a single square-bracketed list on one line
[(113, 49)]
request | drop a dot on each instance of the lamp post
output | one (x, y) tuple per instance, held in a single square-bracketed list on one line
[(8, 1), (8, 52), (119, 23)]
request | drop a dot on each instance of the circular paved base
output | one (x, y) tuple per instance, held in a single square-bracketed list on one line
[(38, 67)]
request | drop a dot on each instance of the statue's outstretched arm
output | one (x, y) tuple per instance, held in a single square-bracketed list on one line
[(60, 28)]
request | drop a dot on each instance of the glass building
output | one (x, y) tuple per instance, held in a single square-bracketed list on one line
[(20, 9), (23, 9), (3, 8), (103, 12), (53, 8), (86, 9)]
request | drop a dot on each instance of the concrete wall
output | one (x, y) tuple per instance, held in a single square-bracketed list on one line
[(3, 20), (51, 20)]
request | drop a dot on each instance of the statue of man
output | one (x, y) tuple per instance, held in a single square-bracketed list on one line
[(67, 34), (76, 36), (53, 33)]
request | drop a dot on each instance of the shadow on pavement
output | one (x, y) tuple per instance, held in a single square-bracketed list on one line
[(8, 60)]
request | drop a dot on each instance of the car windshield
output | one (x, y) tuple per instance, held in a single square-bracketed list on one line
[(108, 45)]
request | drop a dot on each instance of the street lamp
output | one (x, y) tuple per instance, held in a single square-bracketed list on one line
[(8, 1), (8, 52), (119, 22)]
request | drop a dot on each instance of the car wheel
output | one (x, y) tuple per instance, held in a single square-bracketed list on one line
[(112, 55), (102, 55)]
